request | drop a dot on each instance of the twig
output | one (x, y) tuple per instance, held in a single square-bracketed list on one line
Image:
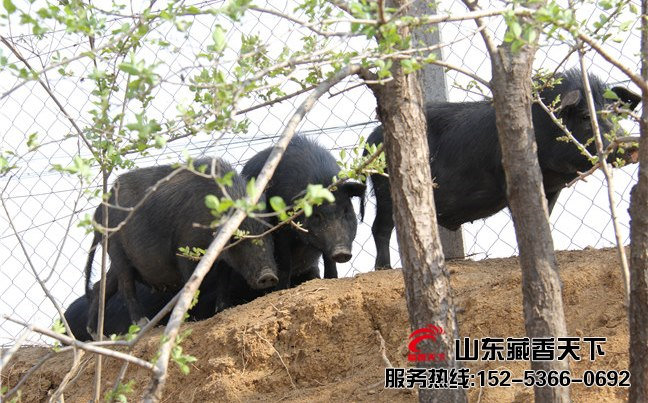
[(27, 374), (6, 356), (275, 101), (582, 175), (58, 308), (102, 281), (624, 68), (76, 366), (558, 122), (612, 146), (66, 234), (280, 359), (481, 26), (382, 349), (381, 12), (50, 93), (608, 175), (84, 346), (118, 381)]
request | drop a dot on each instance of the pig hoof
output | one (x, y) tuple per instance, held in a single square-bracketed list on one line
[(382, 268)]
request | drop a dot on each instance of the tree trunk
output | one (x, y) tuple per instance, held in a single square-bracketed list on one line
[(639, 246), (427, 284), (541, 287)]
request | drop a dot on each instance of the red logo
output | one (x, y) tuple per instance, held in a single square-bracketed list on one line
[(424, 333)]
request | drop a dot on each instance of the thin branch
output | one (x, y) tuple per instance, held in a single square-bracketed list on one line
[(28, 374), (66, 234), (382, 349), (74, 368), (280, 359), (558, 122), (625, 271), (83, 346), (624, 68), (118, 381), (49, 295), (275, 101), (6, 356), (103, 228), (611, 147), (481, 26), (50, 93)]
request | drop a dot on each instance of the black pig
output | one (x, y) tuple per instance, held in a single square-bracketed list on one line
[(117, 319), (146, 247), (465, 155), (332, 226)]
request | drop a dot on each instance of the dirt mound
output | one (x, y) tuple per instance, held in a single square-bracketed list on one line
[(318, 342)]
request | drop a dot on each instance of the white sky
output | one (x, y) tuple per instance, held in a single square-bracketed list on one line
[(41, 202)]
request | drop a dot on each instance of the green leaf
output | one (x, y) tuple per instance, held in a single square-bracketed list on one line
[(9, 6), (219, 39), (4, 165), (277, 203), (319, 193), (530, 35), (58, 327), (212, 202), (129, 68), (226, 180), (308, 210), (194, 300), (251, 188), (609, 94), (516, 28), (160, 142)]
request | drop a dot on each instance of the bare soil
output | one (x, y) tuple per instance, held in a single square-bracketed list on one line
[(318, 342)]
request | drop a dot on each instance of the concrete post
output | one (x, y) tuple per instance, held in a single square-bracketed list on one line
[(435, 89)]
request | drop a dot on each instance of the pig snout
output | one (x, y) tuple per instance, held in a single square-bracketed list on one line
[(341, 254), (266, 279)]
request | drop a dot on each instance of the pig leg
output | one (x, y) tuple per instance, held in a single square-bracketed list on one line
[(310, 274), (383, 223), (283, 257), (93, 310), (126, 281), (330, 268)]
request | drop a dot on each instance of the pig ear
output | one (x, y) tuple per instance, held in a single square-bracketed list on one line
[(627, 96), (353, 189), (570, 98)]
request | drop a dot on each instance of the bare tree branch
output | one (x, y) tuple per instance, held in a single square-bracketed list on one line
[(84, 346), (602, 156), (31, 264)]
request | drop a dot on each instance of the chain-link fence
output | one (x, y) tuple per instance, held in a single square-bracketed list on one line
[(44, 206)]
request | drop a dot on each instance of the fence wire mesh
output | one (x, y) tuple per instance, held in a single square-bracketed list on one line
[(44, 206)]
